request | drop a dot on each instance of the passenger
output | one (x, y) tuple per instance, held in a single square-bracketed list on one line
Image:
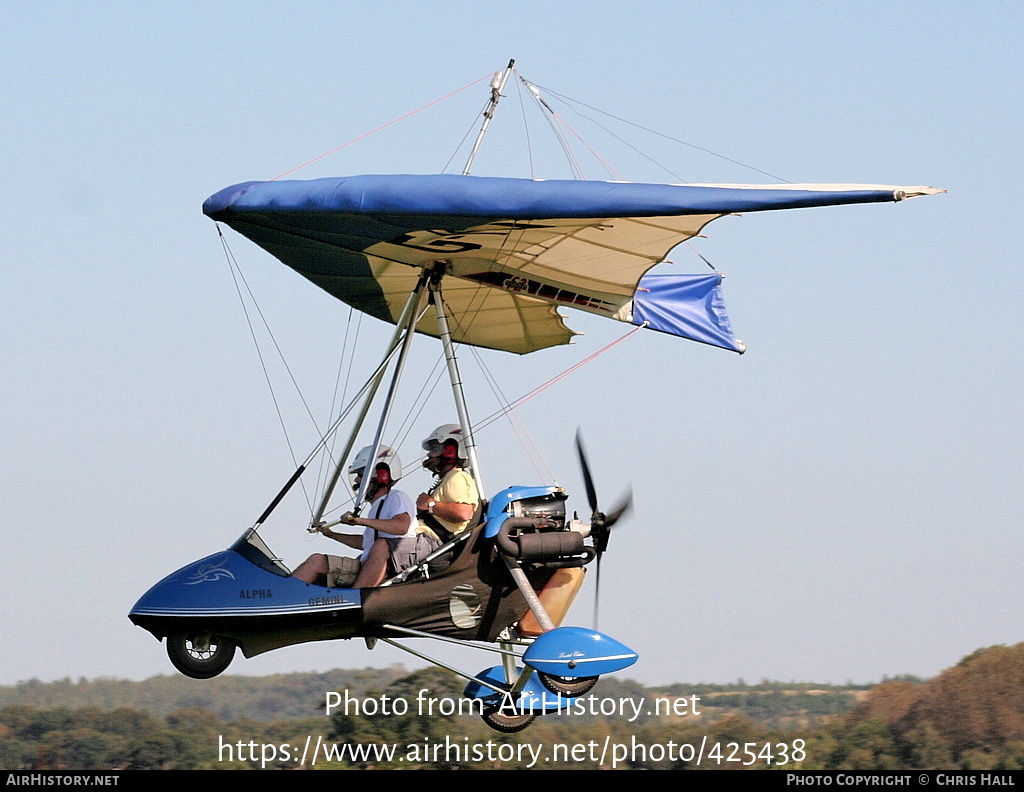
[(392, 541), (452, 503)]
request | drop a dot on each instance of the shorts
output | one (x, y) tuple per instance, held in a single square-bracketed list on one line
[(407, 551), (342, 571)]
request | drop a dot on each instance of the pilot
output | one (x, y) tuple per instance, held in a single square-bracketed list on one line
[(451, 504), (392, 540)]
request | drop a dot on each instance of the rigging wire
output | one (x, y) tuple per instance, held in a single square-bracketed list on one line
[(461, 328), (569, 101), (518, 427), (277, 347), (336, 396), (696, 252), (625, 142), (461, 143), (557, 378), (336, 424), (382, 126), (607, 165), (350, 499), (236, 274), (574, 165), (526, 125), (561, 121), (432, 379)]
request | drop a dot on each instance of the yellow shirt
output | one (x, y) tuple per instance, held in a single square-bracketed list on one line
[(457, 486)]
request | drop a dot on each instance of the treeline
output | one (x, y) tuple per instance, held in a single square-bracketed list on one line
[(969, 717), (93, 737), (230, 697), (125, 739), (301, 695)]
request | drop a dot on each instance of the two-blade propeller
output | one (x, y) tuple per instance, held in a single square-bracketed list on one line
[(600, 522)]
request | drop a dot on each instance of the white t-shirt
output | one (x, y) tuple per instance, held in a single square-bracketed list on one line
[(391, 505)]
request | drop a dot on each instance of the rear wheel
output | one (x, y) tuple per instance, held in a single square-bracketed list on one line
[(567, 686), (200, 655), (501, 720)]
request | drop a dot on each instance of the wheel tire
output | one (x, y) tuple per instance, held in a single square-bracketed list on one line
[(567, 686), (200, 656), (507, 724)]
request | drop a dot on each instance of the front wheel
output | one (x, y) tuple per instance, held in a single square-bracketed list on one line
[(567, 686), (200, 656), (499, 720)]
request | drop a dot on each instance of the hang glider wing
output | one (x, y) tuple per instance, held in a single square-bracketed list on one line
[(517, 249)]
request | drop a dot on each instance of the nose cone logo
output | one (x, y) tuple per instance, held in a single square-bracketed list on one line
[(208, 573)]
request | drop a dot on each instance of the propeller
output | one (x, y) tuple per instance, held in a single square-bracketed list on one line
[(600, 522)]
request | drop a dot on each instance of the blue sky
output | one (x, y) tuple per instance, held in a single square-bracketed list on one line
[(842, 502)]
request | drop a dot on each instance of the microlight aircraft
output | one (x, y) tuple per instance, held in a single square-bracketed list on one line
[(487, 262)]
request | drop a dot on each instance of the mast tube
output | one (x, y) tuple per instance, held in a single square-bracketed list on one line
[(371, 384), (456, 381), (497, 86), (410, 331), (407, 317)]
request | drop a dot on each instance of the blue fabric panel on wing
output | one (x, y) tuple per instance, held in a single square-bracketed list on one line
[(461, 196), (690, 306)]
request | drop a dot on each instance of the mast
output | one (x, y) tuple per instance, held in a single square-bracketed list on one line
[(434, 287), (407, 318), (497, 86), (410, 331), (453, 373)]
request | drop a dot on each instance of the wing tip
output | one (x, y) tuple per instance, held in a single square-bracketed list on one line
[(903, 193)]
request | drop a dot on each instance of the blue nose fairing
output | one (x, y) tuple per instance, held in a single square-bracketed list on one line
[(230, 594)]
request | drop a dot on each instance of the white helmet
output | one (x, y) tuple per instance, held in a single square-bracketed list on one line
[(385, 456), (443, 434)]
